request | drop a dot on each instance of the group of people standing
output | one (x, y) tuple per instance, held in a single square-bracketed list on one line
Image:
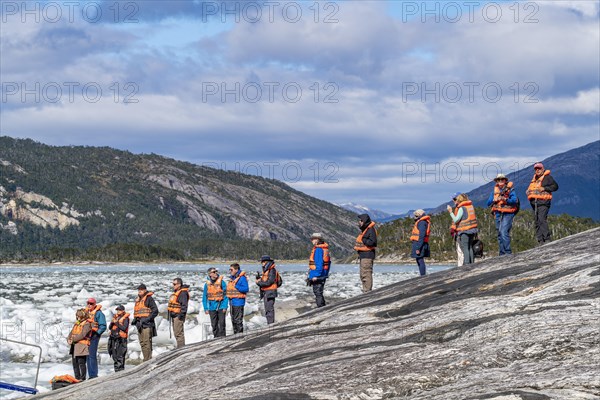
[(504, 204), (220, 295)]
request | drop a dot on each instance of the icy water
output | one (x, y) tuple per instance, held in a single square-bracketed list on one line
[(38, 304)]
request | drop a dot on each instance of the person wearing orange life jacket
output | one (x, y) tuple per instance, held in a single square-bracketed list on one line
[(79, 342), (539, 194), (145, 311), (177, 309), (365, 246), (420, 239), (117, 340), (460, 257), (215, 302), (504, 203), (319, 264), (267, 283), (237, 287), (98, 321), (464, 221)]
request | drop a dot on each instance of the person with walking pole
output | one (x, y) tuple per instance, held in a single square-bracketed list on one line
[(177, 309), (504, 204)]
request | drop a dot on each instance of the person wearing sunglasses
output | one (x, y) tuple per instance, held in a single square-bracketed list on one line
[(177, 308)]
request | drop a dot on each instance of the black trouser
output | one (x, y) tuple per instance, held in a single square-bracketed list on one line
[(237, 318), (217, 320), (118, 351), (542, 233), (318, 287), (79, 367), (269, 309)]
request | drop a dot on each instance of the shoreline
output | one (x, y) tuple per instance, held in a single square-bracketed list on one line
[(409, 261)]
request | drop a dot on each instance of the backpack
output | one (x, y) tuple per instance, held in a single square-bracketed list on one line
[(278, 280), (478, 248), (518, 206)]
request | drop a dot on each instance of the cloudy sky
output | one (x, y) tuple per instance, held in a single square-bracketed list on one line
[(394, 105)]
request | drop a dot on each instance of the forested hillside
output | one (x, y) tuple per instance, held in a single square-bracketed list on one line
[(66, 203)]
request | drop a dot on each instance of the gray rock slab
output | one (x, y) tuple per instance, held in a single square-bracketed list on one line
[(518, 327)]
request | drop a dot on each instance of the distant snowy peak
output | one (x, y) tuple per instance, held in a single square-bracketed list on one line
[(376, 215)]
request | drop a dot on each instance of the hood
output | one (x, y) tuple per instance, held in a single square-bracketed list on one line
[(365, 220), (267, 265)]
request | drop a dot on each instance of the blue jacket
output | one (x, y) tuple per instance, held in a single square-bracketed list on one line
[(319, 271), (242, 287), (511, 200), (214, 305), (101, 320)]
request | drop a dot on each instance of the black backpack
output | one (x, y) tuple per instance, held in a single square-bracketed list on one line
[(279, 279), (478, 248)]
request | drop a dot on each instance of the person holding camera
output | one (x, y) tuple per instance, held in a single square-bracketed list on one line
[(267, 282), (177, 308), (319, 263), (464, 223), (505, 204)]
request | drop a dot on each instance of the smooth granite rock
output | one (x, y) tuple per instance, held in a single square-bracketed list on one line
[(520, 327)]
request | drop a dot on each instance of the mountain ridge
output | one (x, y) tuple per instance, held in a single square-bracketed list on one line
[(80, 197), (578, 194)]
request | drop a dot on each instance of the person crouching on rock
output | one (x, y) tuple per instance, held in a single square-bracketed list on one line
[(318, 267), (237, 287), (215, 302), (144, 313), (79, 340), (267, 282), (420, 239), (117, 341)]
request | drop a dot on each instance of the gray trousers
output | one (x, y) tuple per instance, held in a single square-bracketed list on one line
[(269, 309), (466, 245), (366, 274)]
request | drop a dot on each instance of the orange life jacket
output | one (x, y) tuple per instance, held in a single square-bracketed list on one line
[(265, 277), (174, 305), (92, 318), (215, 290), (535, 190), (78, 329), (471, 221), (140, 310), (500, 200), (326, 257), (359, 245), (115, 327), (232, 292), (65, 378), (415, 231)]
